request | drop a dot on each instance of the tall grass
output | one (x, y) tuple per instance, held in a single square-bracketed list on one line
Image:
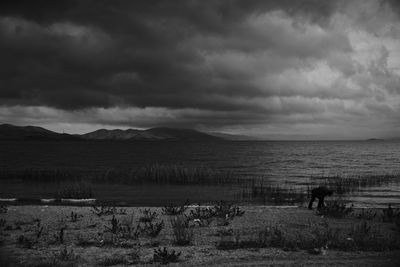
[(352, 183), (183, 235), (273, 194), (156, 173)]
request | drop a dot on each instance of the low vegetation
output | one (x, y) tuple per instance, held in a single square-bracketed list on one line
[(175, 210), (351, 183), (317, 238), (104, 210), (155, 173), (335, 209), (164, 256), (224, 226), (182, 233), (257, 192), (75, 191)]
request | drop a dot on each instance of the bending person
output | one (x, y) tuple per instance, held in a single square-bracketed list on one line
[(320, 193)]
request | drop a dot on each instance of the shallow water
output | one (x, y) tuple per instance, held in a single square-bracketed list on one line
[(289, 162)]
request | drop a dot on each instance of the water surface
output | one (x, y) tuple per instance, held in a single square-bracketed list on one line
[(289, 162)]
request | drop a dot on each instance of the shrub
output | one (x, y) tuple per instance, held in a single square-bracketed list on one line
[(203, 222), (164, 256), (129, 231), (225, 210), (183, 235), (175, 210), (107, 210), (202, 213), (153, 229), (202, 216), (65, 255), (147, 216)]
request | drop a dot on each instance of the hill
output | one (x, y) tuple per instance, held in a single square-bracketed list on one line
[(153, 134), (12, 132)]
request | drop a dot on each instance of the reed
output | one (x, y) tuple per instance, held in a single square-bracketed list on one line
[(273, 194), (352, 183), (155, 173)]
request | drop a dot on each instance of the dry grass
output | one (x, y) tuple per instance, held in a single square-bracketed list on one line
[(352, 183), (255, 234), (156, 173)]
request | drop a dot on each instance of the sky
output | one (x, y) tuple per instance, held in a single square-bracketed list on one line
[(283, 69)]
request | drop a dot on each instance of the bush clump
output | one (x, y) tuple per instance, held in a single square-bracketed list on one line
[(164, 256), (183, 235)]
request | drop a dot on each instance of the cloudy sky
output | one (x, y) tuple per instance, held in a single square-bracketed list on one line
[(273, 69)]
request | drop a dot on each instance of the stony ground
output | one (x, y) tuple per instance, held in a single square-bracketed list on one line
[(88, 241)]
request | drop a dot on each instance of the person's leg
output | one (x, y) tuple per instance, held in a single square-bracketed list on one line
[(320, 202), (311, 202)]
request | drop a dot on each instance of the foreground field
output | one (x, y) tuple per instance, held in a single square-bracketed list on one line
[(291, 236)]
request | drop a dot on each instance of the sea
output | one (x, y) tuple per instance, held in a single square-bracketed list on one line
[(276, 162)]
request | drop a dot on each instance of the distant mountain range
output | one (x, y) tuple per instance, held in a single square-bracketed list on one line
[(12, 132)]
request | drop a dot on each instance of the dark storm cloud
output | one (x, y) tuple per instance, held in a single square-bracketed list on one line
[(74, 54), (207, 64)]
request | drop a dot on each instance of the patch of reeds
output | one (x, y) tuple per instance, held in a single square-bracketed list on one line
[(75, 191), (155, 173), (352, 183), (258, 192)]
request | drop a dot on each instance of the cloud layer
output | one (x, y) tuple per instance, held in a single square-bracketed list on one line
[(276, 69)]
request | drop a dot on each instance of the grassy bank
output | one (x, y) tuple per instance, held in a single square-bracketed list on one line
[(219, 234)]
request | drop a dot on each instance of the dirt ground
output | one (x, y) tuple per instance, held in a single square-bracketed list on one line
[(48, 250)]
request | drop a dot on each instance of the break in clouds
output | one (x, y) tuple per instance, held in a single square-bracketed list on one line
[(272, 69)]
